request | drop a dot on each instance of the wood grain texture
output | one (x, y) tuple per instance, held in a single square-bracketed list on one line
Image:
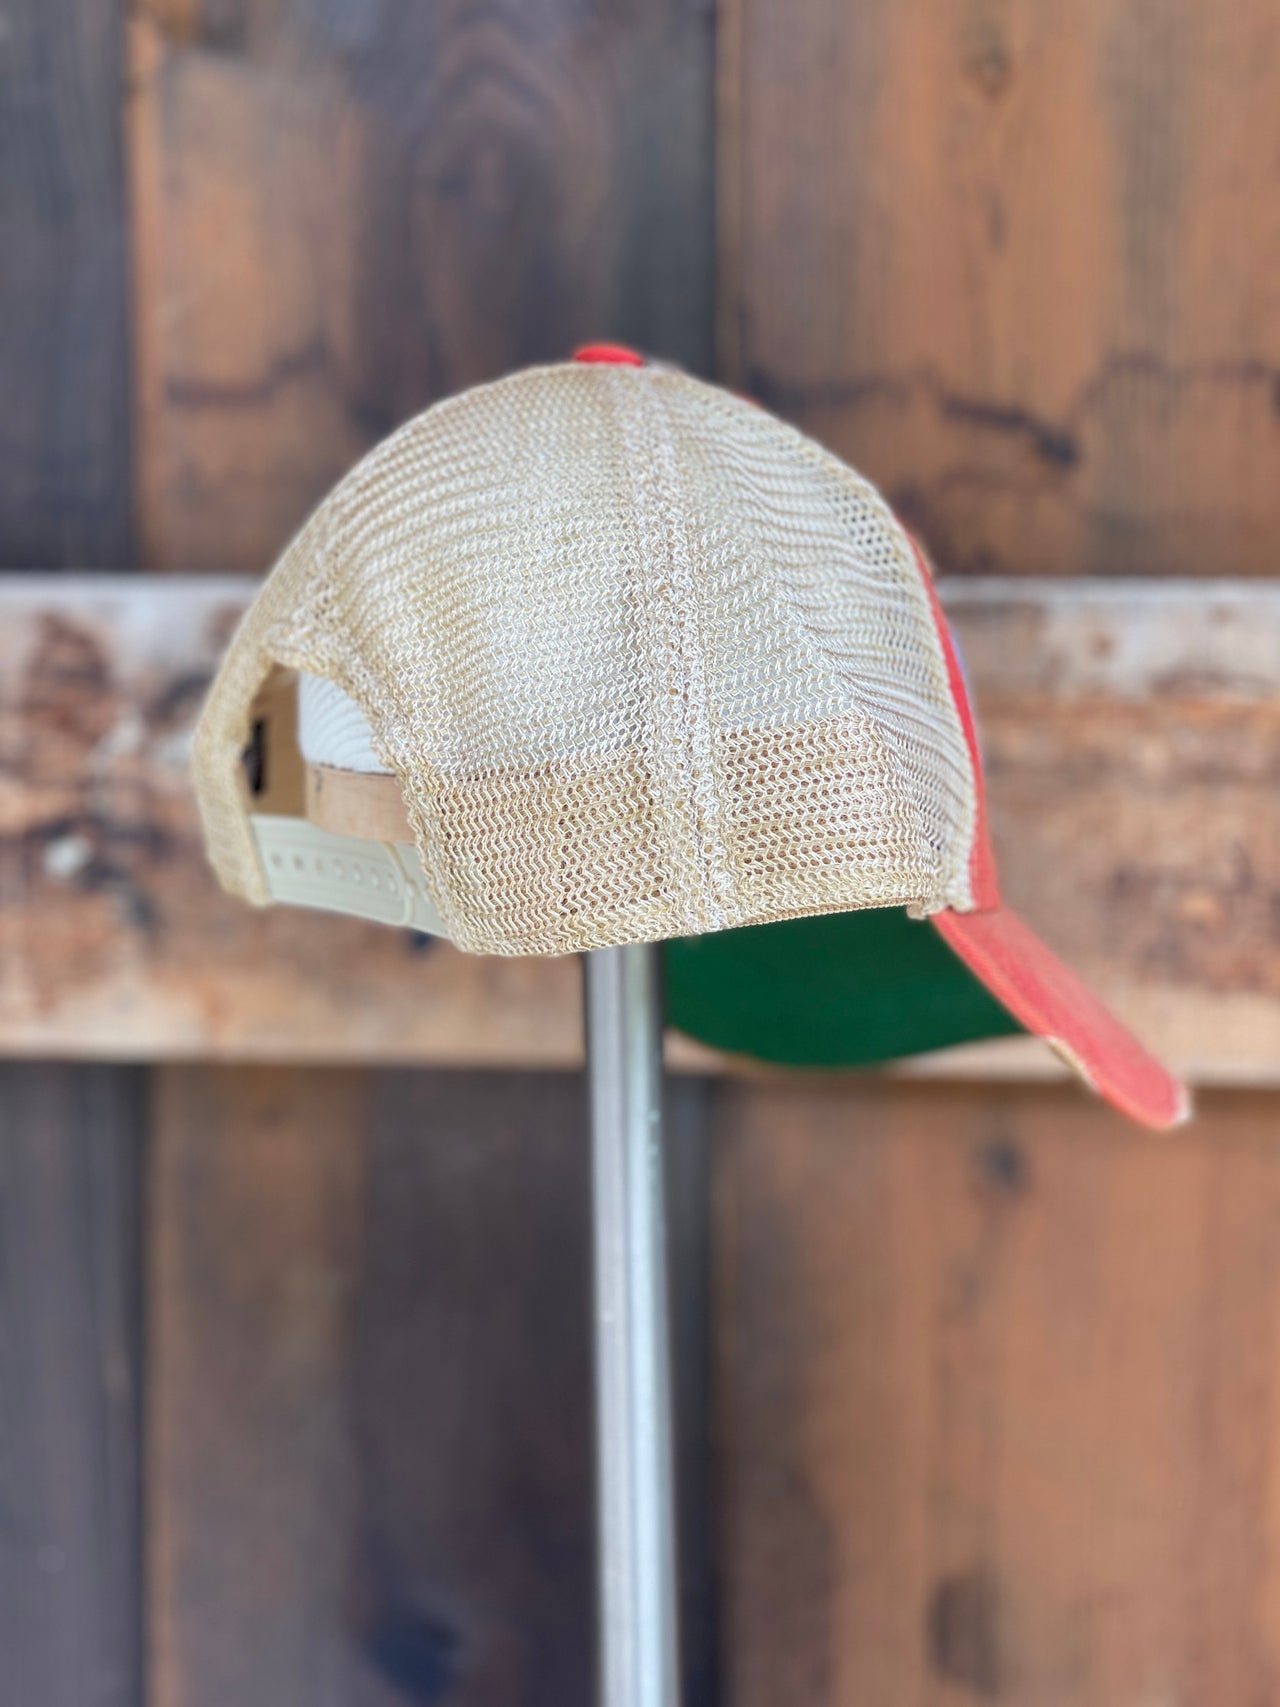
[(371, 1471), (70, 1379), (1132, 739), (343, 213), (116, 940), (997, 1400), (371, 1463), (1131, 749), (1013, 262), (64, 442), (256, 1190), (70, 1136)]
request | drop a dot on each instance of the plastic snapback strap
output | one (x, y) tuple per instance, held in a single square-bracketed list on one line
[(307, 866)]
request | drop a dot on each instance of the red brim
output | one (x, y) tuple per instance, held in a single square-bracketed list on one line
[(1047, 997)]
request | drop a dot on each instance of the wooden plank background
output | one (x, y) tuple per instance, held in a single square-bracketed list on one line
[(343, 213), (991, 1407), (1132, 737), (371, 1457), (65, 497), (70, 1384), (995, 1374), (346, 211), (71, 1355), (1012, 261), (998, 1399)]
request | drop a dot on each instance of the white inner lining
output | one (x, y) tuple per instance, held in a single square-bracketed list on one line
[(332, 729)]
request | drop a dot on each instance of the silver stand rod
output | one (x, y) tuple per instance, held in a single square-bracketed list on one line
[(635, 1485)]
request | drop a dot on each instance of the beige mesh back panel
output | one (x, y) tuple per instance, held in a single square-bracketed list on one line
[(646, 662)]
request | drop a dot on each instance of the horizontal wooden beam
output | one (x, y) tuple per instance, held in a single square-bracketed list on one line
[(1133, 746)]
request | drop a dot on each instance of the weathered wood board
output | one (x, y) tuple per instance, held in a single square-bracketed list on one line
[(371, 1458), (71, 1374), (1133, 744), (71, 1586), (342, 213), (995, 1386), (1014, 261), (64, 311), (115, 939), (997, 1405)]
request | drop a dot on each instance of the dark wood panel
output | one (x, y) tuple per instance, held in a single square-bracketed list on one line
[(371, 1464), (70, 1376), (1132, 737), (255, 1193), (369, 1475), (345, 212), (997, 1399), (1009, 260), (70, 1136), (64, 429)]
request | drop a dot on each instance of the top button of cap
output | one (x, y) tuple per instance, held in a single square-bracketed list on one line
[(618, 354)]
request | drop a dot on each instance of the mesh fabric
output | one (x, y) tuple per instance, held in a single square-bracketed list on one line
[(646, 661)]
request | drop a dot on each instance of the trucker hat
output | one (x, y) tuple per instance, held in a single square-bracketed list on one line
[(599, 653)]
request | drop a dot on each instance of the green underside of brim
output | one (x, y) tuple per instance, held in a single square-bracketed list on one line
[(840, 990)]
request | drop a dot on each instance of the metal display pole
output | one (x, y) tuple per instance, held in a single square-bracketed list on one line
[(635, 1482)]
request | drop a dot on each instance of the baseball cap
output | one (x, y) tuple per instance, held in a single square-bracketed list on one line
[(599, 653)]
